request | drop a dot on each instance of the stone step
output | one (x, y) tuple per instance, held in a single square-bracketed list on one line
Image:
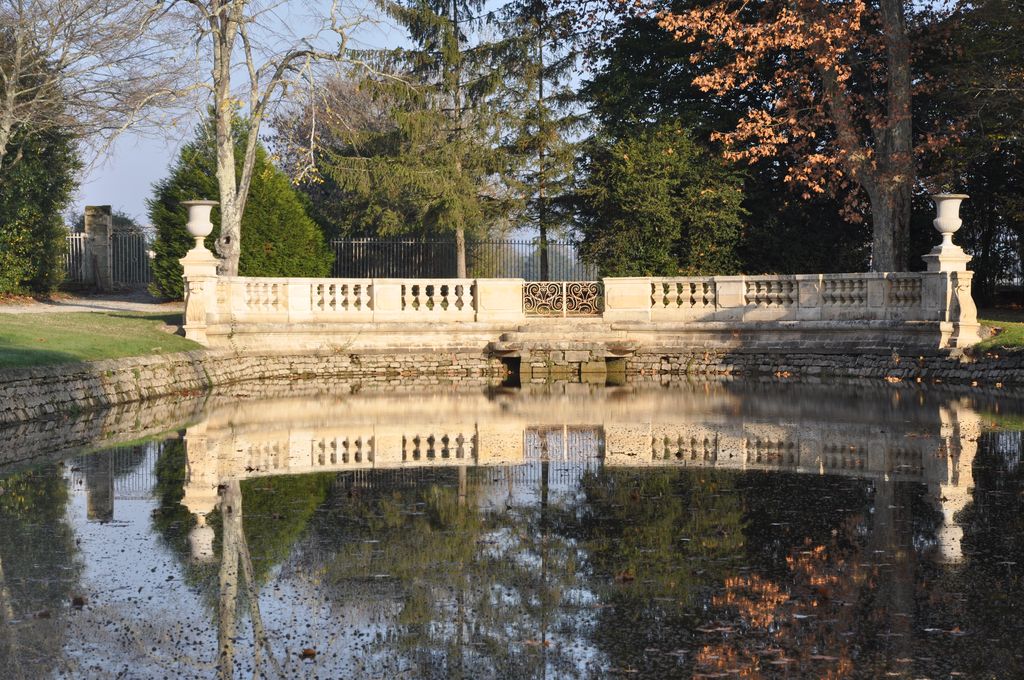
[(612, 347)]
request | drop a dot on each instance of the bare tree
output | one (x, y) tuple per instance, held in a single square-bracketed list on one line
[(91, 67), (258, 42)]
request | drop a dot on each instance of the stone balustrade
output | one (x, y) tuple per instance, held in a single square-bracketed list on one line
[(934, 308), (234, 302), (803, 297)]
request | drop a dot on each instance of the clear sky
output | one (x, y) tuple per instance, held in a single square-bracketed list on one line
[(124, 179)]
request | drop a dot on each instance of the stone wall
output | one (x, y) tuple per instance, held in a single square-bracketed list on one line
[(993, 369), (70, 388)]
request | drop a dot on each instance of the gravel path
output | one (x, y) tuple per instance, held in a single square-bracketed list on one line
[(138, 301)]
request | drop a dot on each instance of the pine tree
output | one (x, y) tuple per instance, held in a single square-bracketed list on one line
[(433, 167), (281, 239), (540, 120)]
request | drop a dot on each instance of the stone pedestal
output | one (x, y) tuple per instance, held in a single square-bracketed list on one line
[(199, 270), (950, 289)]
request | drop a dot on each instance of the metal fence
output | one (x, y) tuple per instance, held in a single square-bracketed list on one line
[(74, 259), (129, 258), (436, 258), (130, 265)]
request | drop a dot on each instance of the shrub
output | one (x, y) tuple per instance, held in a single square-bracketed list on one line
[(35, 188)]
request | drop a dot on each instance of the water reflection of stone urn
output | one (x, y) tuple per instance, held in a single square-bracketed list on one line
[(199, 225)]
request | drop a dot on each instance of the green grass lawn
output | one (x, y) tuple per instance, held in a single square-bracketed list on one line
[(1010, 326), (54, 338)]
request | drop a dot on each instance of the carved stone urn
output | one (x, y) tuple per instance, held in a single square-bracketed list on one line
[(199, 225), (947, 256), (947, 216)]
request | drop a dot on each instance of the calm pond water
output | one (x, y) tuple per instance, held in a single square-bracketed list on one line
[(567, 531)]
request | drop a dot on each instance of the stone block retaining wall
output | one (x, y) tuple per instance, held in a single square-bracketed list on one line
[(990, 370), (32, 393), (68, 388)]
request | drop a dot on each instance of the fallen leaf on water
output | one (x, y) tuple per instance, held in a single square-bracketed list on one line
[(307, 653)]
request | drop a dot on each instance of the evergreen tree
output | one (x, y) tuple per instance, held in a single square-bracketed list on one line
[(452, 65), (539, 103), (280, 238), (425, 162), (36, 189), (658, 204)]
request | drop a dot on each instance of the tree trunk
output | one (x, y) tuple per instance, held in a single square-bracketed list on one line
[(224, 28), (460, 253), (230, 508), (542, 213), (890, 218), (230, 240), (894, 179)]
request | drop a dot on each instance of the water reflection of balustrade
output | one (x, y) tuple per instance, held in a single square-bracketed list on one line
[(822, 449), (885, 438)]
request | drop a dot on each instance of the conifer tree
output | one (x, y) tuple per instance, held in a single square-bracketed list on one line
[(432, 167), (657, 204), (540, 119)]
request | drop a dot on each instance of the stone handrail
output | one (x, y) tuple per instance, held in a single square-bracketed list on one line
[(800, 297)]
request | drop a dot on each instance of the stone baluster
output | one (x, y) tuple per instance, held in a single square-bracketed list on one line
[(199, 270)]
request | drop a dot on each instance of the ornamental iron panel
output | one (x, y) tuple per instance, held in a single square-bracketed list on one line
[(563, 298)]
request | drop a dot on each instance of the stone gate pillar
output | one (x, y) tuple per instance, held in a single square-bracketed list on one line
[(99, 265)]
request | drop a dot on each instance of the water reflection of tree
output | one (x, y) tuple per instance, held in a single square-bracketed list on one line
[(656, 542), (276, 512), (843, 600), (463, 593), (39, 570), (663, 572)]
